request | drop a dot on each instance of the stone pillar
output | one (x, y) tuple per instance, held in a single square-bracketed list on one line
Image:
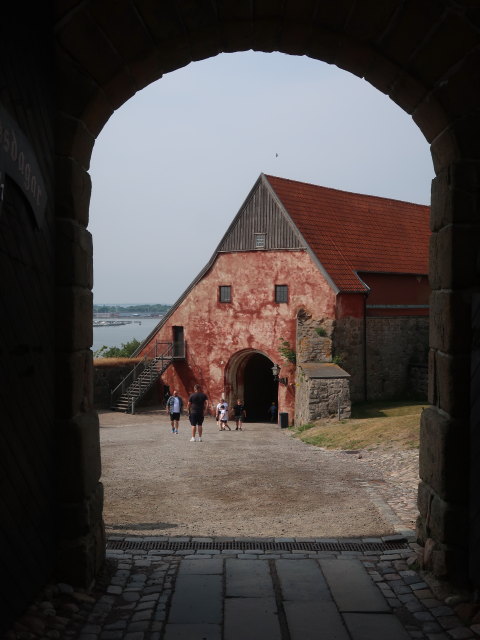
[(81, 548), (448, 477)]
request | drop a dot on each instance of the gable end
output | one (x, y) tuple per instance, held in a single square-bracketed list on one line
[(260, 215)]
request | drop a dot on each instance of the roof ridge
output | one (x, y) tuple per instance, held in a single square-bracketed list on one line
[(353, 193)]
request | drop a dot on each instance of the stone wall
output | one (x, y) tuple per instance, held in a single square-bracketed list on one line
[(348, 345), (321, 398), (106, 377), (393, 345), (29, 460), (312, 346)]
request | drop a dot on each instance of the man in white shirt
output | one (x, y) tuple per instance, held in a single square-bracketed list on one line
[(174, 408)]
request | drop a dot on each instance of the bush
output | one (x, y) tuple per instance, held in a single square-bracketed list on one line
[(124, 351)]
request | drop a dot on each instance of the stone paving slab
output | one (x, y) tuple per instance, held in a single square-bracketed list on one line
[(370, 626), (314, 620), (201, 566), (193, 632), (352, 587), (302, 580), (248, 579), (252, 619), (197, 599)]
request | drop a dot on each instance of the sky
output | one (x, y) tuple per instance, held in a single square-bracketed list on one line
[(173, 165)]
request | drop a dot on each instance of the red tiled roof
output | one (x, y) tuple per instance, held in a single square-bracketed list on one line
[(351, 232)]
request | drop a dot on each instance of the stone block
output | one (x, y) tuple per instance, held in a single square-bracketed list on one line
[(74, 383), (454, 195), (445, 522), (450, 322), (454, 257), (452, 376), (444, 458), (73, 314), (383, 74), (407, 93), (80, 560), (430, 117), (73, 188), (79, 465), (74, 140), (74, 254), (79, 518), (452, 562)]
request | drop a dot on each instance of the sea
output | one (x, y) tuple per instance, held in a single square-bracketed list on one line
[(116, 336)]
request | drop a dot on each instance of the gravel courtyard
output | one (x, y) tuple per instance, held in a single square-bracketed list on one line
[(256, 482)]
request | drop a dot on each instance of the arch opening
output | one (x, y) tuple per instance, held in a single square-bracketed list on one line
[(249, 377), (371, 56)]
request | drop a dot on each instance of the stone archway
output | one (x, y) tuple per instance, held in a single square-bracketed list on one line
[(423, 55), (248, 376), (426, 72)]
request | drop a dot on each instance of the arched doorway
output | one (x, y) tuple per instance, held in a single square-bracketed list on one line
[(248, 376), (260, 387)]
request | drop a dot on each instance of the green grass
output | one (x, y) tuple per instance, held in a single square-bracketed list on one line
[(373, 424)]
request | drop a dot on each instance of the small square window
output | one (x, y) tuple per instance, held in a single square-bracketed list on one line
[(225, 293), (260, 240), (281, 293)]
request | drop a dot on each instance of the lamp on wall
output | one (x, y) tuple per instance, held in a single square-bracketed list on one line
[(276, 371)]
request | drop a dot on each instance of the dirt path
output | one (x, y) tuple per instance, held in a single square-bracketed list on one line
[(259, 482)]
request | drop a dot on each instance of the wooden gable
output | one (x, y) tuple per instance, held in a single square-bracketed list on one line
[(261, 214)]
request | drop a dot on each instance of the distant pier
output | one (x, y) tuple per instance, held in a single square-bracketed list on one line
[(114, 323)]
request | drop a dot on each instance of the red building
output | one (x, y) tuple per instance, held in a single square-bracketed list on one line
[(336, 275)]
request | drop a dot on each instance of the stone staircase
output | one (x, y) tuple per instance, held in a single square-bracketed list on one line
[(142, 378)]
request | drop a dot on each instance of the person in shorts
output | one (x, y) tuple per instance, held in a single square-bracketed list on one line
[(223, 416), (239, 414), (197, 406), (220, 406), (174, 408)]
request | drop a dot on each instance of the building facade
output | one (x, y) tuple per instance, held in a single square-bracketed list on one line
[(304, 275)]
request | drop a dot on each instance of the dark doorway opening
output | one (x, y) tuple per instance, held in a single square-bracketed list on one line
[(260, 388)]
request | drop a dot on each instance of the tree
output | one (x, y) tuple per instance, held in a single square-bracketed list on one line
[(124, 351)]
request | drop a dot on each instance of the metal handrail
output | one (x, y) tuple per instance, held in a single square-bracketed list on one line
[(147, 368), (133, 374)]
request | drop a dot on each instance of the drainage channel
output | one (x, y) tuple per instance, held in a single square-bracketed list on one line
[(243, 545)]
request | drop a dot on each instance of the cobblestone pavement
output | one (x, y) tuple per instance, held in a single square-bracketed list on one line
[(243, 594), (398, 483)]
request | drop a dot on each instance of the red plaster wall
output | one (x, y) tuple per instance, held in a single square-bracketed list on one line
[(397, 289), (216, 331), (350, 305)]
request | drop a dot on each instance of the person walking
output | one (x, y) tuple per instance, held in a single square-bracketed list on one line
[(221, 407), (239, 413), (223, 415), (174, 408), (273, 412), (196, 407)]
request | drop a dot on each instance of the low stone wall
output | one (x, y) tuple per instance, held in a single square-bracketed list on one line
[(108, 373), (321, 397)]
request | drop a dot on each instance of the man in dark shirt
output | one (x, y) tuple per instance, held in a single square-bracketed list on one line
[(197, 405)]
